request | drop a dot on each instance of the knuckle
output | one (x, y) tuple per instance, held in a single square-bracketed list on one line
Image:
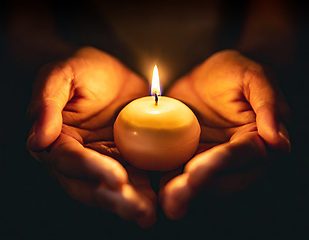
[(254, 72)]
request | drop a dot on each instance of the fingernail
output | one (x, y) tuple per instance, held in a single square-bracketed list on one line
[(284, 135)]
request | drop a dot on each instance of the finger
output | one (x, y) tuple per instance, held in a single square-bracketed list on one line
[(275, 134), (204, 169), (269, 106), (108, 149), (70, 158), (202, 147), (46, 128), (141, 183), (165, 178), (178, 193), (125, 202), (51, 92), (238, 155), (175, 197)]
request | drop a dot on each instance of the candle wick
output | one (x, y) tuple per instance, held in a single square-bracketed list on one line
[(156, 98)]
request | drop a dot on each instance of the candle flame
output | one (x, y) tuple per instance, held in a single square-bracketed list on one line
[(155, 86)]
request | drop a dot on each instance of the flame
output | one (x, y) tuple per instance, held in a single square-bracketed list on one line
[(155, 86)]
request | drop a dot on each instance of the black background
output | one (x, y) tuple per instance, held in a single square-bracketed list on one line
[(33, 206)]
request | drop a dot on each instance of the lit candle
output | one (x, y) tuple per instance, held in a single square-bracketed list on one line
[(156, 133)]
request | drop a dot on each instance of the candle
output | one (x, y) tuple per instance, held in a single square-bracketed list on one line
[(156, 133)]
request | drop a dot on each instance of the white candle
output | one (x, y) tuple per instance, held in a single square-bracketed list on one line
[(159, 136)]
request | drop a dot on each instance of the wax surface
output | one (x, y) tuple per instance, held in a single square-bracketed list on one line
[(158, 137)]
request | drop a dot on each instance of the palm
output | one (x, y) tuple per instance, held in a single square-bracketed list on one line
[(238, 107), (75, 103), (216, 90), (97, 93)]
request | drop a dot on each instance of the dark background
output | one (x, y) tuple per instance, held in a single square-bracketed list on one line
[(33, 206)]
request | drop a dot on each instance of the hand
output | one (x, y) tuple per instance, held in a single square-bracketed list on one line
[(241, 111), (74, 105)]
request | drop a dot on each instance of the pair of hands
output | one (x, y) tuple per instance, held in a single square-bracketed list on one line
[(75, 103)]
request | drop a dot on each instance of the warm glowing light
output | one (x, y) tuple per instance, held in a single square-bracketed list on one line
[(155, 86)]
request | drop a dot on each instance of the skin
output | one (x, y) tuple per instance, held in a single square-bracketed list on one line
[(239, 107), (75, 101), (74, 105), (241, 111)]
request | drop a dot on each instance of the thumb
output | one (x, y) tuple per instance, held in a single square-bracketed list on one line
[(271, 110), (51, 92), (271, 129)]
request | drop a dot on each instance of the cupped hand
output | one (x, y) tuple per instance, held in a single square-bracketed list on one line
[(242, 114), (74, 105)]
